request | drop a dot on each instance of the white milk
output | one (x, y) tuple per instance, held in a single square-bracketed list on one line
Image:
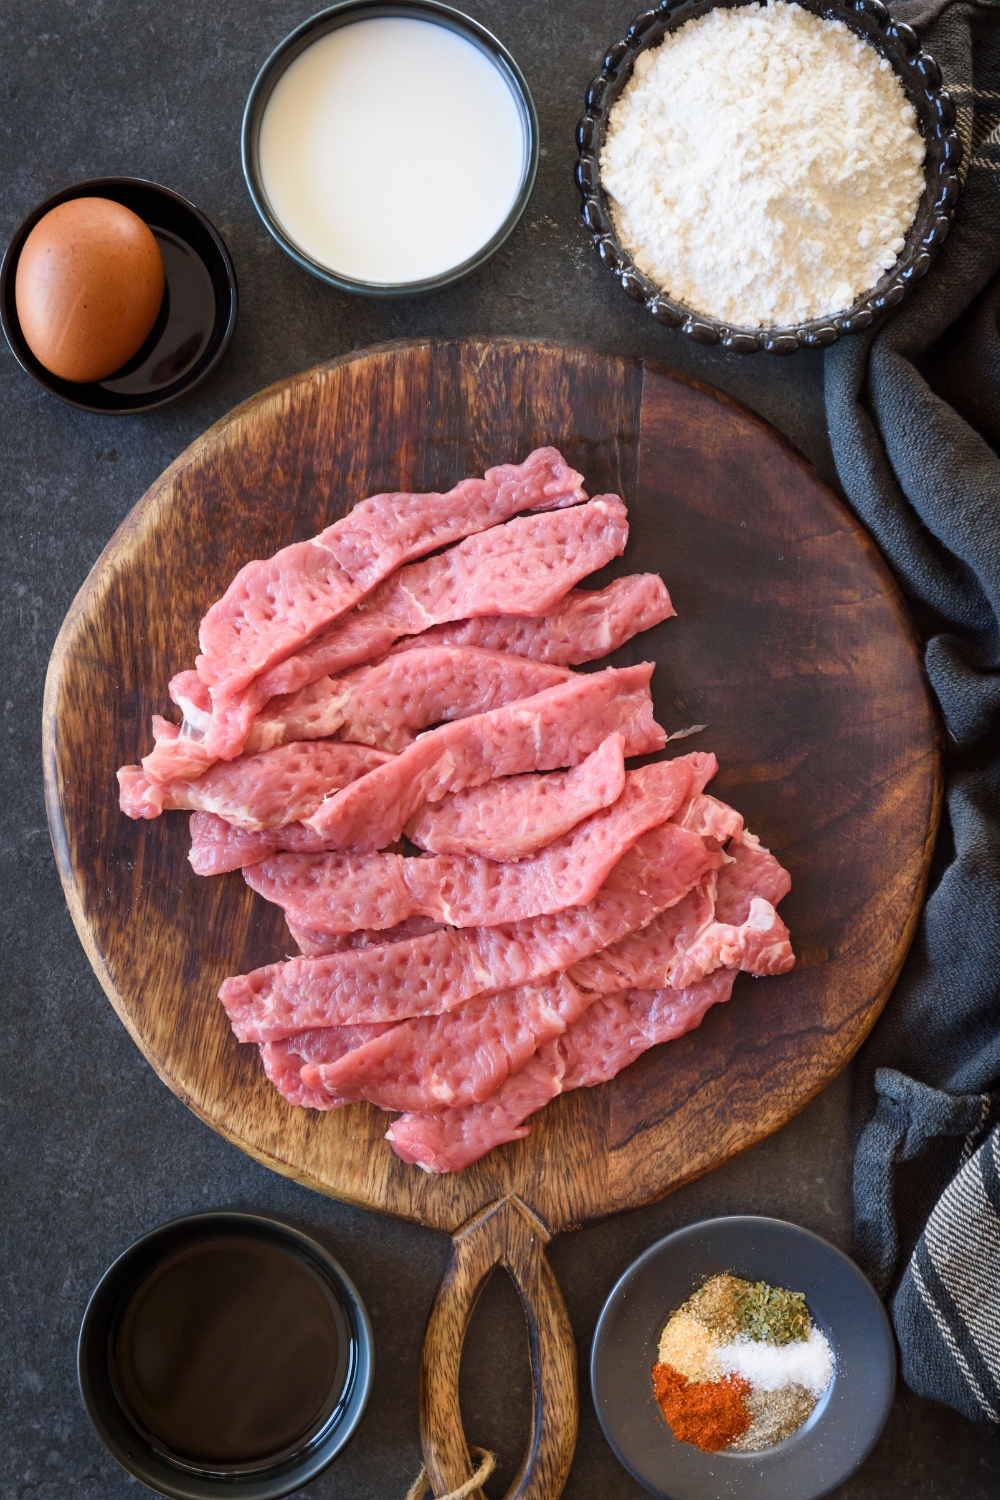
[(391, 150)]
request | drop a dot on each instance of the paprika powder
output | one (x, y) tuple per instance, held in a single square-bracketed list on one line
[(708, 1413)]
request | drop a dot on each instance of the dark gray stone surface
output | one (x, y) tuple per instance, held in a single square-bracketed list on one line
[(95, 1149)]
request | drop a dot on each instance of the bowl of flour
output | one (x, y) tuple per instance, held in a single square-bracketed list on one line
[(768, 176)]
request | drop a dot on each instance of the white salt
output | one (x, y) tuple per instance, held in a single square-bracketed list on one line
[(771, 1367), (763, 165)]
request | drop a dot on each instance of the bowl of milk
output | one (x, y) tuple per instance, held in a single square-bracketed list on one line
[(390, 148)]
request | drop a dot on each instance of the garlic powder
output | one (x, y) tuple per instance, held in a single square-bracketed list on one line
[(763, 165)]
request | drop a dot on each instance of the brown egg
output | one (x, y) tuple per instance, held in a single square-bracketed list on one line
[(88, 288)]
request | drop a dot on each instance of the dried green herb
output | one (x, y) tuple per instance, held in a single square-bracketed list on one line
[(771, 1314)]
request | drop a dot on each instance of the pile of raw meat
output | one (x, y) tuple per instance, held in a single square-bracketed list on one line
[(490, 907)]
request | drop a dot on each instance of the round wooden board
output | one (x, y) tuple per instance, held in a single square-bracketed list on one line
[(791, 644)]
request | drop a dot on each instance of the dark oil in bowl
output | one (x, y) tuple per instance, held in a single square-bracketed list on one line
[(231, 1353)]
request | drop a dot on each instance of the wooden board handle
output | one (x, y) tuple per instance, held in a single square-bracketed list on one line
[(510, 1235)]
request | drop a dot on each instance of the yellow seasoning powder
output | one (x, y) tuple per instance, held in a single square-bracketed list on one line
[(716, 1304), (690, 1348)]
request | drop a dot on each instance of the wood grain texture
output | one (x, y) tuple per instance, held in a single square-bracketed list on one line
[(506, 1234), (791, 644)]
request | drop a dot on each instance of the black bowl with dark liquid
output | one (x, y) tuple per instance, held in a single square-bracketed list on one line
[(225, 1353), (196, 318)]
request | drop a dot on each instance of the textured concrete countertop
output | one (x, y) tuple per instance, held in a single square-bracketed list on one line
[(95, 1149)]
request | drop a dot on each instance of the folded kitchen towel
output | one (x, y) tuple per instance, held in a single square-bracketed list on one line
[(947, 1306), (913, 408)]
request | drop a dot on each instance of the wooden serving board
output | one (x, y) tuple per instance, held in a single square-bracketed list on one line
[(791, 644)]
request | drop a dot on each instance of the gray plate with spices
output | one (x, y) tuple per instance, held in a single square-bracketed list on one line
[(846, 1421)]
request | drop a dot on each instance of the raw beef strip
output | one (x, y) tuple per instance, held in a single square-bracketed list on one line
[(750, 871), (519, 815), (584, 625), (256, 791), (715, 926), (385, 704), (643, 959), (314, 944), (342, 892), (505, 819), (455, 1138), (461, 1057), (216, 846), (428, 975), (284, 1060), (610, 1035), (273, 606), (759, 945), (556, 728), (524, 567), (600, 1048)]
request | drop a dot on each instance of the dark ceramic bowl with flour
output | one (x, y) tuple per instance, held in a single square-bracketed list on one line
[(920, 77)]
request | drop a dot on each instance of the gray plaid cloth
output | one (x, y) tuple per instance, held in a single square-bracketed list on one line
[(913, 409)]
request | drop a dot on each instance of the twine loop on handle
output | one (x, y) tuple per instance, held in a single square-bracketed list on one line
[(422, 1484)]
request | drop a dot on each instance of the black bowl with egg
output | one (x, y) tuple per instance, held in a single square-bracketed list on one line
[(197, 316), (844, 1425), (226, 1353), (920, 77), (346, 14)]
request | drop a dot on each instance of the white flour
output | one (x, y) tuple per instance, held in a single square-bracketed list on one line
[(763, 165)]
